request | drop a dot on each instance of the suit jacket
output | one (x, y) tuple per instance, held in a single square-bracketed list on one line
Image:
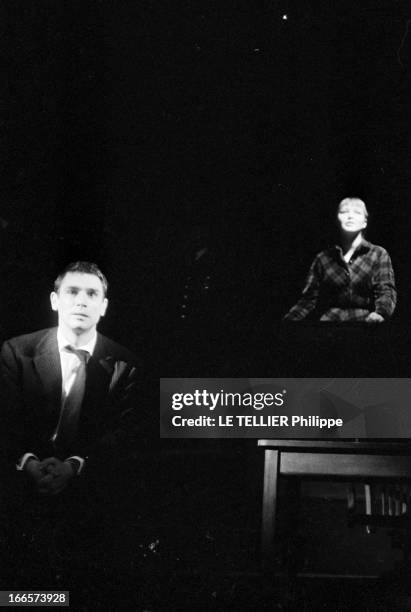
[(32, 386)]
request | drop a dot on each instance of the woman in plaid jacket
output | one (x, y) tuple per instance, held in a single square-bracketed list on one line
[(352, 281)]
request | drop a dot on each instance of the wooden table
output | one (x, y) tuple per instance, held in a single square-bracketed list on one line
[(325, 460)]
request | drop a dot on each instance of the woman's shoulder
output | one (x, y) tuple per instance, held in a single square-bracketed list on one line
[(335, 251), (327, 253), (375, 248)]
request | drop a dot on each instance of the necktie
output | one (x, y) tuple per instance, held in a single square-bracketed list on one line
[(70, 412)]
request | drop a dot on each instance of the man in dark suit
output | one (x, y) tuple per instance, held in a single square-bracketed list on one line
[(68, 417)]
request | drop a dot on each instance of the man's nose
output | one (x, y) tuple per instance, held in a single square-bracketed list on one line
[(81, 298)]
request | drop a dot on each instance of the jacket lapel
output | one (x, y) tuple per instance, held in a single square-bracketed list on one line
[(47, 365), (100, 369)]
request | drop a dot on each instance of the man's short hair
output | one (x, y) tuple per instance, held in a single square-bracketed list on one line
[(83, 267)]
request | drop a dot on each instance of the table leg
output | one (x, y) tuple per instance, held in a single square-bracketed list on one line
[(270, 493)]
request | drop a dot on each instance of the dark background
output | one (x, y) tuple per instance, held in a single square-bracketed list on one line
[(137, 134), (135, 131)]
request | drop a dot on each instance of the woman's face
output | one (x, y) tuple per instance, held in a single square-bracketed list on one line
[(352, 217)]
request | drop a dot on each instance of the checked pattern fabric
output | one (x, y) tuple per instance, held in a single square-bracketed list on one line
[(339, 291)]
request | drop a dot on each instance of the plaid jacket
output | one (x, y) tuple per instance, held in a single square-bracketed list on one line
[(339, 291)]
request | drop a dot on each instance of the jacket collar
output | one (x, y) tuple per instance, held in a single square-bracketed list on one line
[(48, 345), (363, 247), (48, 367)]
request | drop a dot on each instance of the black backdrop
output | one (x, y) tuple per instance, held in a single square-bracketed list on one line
[(137, 134), (128, 125)]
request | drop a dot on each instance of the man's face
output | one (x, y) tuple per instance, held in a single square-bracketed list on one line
[(352, 217), (80, 302)]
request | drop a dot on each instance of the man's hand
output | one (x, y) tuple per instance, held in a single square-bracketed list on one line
[(57, 475), (39, 477), (374, 317)]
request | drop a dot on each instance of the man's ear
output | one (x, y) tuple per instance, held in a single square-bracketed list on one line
[(103, 307), (54, 300)]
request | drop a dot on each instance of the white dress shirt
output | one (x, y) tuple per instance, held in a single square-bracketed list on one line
[(70, 361)]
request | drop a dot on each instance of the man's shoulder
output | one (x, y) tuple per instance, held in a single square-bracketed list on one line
[(113, 349), (29, 344)]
